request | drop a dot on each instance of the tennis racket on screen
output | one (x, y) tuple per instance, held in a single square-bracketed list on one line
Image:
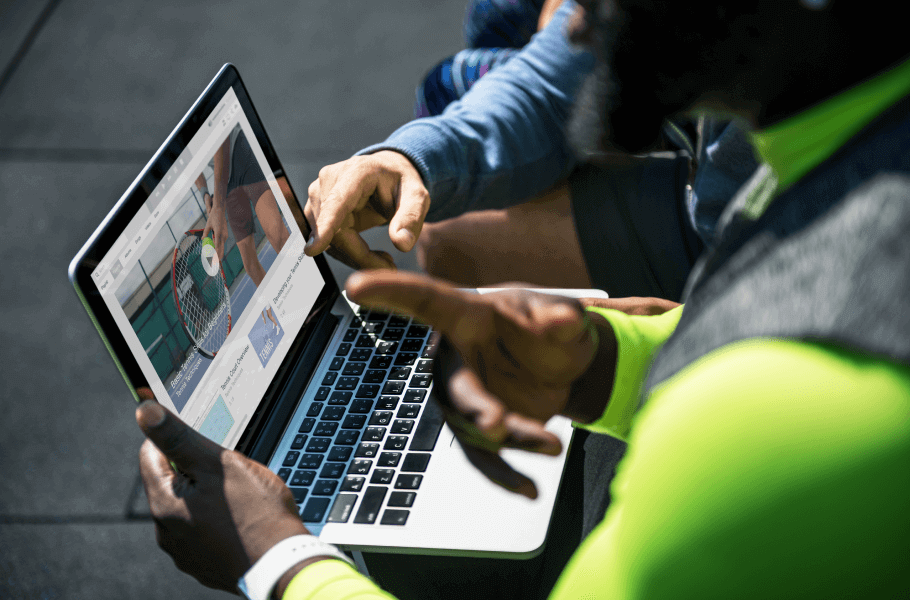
[(201, 294)]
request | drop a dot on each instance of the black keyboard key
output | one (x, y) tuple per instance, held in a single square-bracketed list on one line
[(400, 374), (393, 335), (354, 368), (386, 347), (337, 363), (422, 380), (341, 510), (415, 395), (290, 459), (383, 476), (361, 406), (428, 427), (395, 442), (329, 378), (340, 398), (347, 437), (393, 387), (373, 327), (381, 362), (322, 393), (387, 403), (353, 483), (310, 461), (407, 411), (284, 474), (333, 413), (381, 417), (343, 349), (367, 450), (326, 429), (375, 375), (377, 315), (361, 354), (351, 334), (314, 409), (402, 498), (411, 345), (407, 481), (326, 487), (389, 459), (366, 341), (402, 426), (415, 462), (303, 477), (399, 321), (368, 390), (299, 494), (318, 444), (373, 434), (420, 331), (370, 505), (299, 441), (340, 453), (314, 512), (424, 366), (354, 422), (360, 467), (346, 383), (430, 351), (307, 425), (394, 516), (405, 359), (332, 470)]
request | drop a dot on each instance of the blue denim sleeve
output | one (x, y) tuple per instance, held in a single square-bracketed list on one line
[(505, 141)]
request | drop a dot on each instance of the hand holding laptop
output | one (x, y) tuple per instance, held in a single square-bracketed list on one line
[(221, 512)]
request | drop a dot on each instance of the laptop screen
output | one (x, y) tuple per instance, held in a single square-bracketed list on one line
[(210, 312)]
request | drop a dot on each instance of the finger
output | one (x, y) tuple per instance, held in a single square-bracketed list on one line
[(157, 476), (350, 248), (190, 451), (530, 435), (431, 301), (413, 204), (499, 472), (347, 194)]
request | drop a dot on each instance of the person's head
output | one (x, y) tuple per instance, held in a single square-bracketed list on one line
[(764, 60)]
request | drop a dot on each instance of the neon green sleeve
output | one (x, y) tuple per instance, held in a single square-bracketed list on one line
[(767, 469), (333, 580), (638, 338)]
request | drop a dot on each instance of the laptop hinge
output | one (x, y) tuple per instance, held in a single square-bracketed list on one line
[(270, 435)]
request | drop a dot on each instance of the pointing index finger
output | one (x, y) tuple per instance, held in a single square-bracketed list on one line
[(428, 300)]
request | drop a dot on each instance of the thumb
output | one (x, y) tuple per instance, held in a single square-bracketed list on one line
[(189, 450), (413, 205)]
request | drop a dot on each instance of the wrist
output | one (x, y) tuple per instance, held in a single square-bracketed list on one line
[(590, 393), (285, 580)]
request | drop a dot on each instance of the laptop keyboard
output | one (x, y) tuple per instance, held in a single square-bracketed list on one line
[(361, 450)]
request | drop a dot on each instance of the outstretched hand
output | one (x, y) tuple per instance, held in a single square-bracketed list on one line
[(506, 364), (360, 193), (220, 512)]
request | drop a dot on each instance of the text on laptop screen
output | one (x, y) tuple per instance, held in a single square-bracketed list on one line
[(210, 315)]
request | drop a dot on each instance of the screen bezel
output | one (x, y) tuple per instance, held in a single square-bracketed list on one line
[(106, 235)]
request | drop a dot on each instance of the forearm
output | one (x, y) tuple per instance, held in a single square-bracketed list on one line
[(327, 579), (222, 170), (504, 142), (607, 396)]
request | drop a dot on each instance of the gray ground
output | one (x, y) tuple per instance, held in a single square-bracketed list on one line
[(87, 93)]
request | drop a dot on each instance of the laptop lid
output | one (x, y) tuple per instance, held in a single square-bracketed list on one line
[(214, 324)]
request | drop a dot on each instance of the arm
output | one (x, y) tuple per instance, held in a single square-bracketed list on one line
[(504, 142), (769, 469), (217, 220)]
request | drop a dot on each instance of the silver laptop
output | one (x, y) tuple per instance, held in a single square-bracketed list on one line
[(254, 345)]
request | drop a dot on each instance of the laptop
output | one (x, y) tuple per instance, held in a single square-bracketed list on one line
[(254, 345)]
